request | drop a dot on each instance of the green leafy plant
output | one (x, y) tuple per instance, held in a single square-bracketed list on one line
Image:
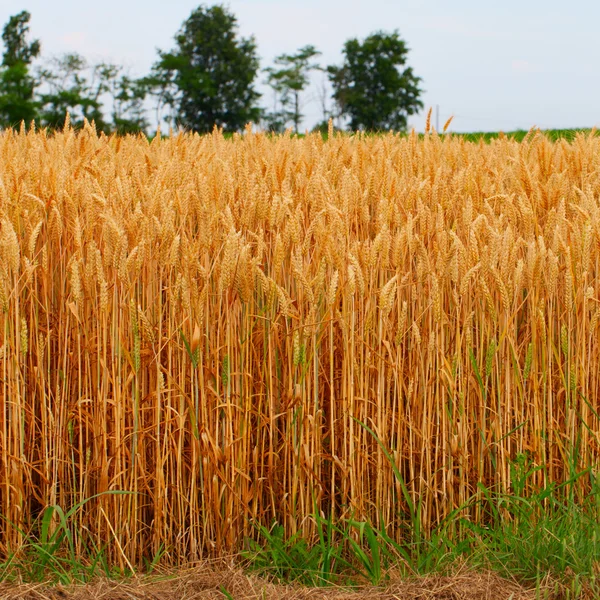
[(53, 554)]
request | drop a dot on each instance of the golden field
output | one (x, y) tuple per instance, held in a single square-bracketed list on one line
[(209, 322)]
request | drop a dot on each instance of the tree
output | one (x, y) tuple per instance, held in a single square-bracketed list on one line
[(208, 79), (160, 83), (78, 88), (128, 106), (288, 82), (127, 99), (72, 90), (17, 86), (373, 87)]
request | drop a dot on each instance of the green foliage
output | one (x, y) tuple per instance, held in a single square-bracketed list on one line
[(225, 593), (69, 84), (53, 553), (77, 88), (72, 90), (374, 87), (193, 354), (128, 105), (288, 82), (528, 536), (346, 551), (17, 86), (208, 79), (540, 534), (519, 135), (292, 559), (14, 35)]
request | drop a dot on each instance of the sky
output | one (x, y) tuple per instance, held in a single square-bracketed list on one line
[(493, 64)]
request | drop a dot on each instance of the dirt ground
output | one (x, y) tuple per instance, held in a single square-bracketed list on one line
[(205, 584)]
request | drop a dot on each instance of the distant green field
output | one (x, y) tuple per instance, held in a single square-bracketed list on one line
[(519, 135), (487, 136), (475, 136)]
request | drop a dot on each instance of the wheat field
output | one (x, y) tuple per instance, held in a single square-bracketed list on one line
[(235, 329)]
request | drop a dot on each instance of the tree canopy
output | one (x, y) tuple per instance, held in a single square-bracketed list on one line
[(78, 88), (373, 86), (289, 79), (208, 79), (17, 86), (70, 91)]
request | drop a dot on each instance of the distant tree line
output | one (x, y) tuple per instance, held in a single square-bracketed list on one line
[(208, 78)]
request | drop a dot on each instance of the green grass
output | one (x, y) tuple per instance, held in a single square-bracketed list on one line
[(519, 135), (475, 136), (57, 551), (532, 538), (485, 136), (558, 545)]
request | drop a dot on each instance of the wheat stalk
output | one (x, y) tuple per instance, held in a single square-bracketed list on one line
[(202, 321)]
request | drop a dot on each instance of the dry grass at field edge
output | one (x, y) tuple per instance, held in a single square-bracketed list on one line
[(207, 583)]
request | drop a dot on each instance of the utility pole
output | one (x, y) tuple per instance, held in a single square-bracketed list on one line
[(437, 118)]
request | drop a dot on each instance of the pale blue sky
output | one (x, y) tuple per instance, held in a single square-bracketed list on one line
[(494, 64)]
